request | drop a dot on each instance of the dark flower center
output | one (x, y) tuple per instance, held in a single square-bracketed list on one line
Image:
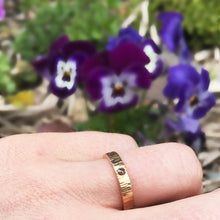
[(193, 100), (66, 76), (118, 91)]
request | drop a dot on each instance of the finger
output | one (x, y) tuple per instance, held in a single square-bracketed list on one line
[(204, 206), (76, 146), (158, 174)]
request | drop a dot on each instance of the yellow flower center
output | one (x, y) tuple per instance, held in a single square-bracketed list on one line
[(193, 100)]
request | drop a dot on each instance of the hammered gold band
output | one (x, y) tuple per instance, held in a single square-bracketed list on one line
[(123, 179)]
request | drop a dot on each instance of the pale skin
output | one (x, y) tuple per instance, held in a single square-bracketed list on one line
[(63, 176)]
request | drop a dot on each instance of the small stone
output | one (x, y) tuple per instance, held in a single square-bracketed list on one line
[(121, 171)]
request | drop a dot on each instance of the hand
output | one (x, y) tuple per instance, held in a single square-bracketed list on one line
[(63, 176)]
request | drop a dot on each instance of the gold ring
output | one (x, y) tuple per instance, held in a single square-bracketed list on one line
[(123, 179)]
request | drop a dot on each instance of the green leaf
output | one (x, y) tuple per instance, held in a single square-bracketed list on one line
[(7, 85), (145, 119)]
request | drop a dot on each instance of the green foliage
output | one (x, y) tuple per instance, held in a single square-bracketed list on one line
[(79, 19), (95, 20), (7, 85), (144, 119), (201, 20), (40, 32), (27, 78), (26, 5)]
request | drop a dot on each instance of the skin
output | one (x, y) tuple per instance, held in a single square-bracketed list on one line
[(63, 176)]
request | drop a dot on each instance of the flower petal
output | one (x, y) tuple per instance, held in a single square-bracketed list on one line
[(125, 35), (64, 81), (204, 80), (143, 79), (171, 29), (189, 124), (184, 53), (155, 66), (93, 82), (178, 75), (184, 96), (204, 106), (1, 3), (126, 54), (58, 45), (183, 124), (151, 43), (83, 47), (2, 11), (41, 66), (158, 70), (118, 106), (195, 140), (61, 92), (97, 60)]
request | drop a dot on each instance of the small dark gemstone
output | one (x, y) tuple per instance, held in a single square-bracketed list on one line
[(121, 171)]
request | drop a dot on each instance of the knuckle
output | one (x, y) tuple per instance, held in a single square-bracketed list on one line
[(119, 141), (124, 143), (189, 165), (127, 139)]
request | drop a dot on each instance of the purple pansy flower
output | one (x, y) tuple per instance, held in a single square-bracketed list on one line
[(172, 36), (129, 35), (61, 65), (188, 128), (113, 77), (195, 140), (156, 65), (183, 124), (125, 35), (191, 90), (2, 11)]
